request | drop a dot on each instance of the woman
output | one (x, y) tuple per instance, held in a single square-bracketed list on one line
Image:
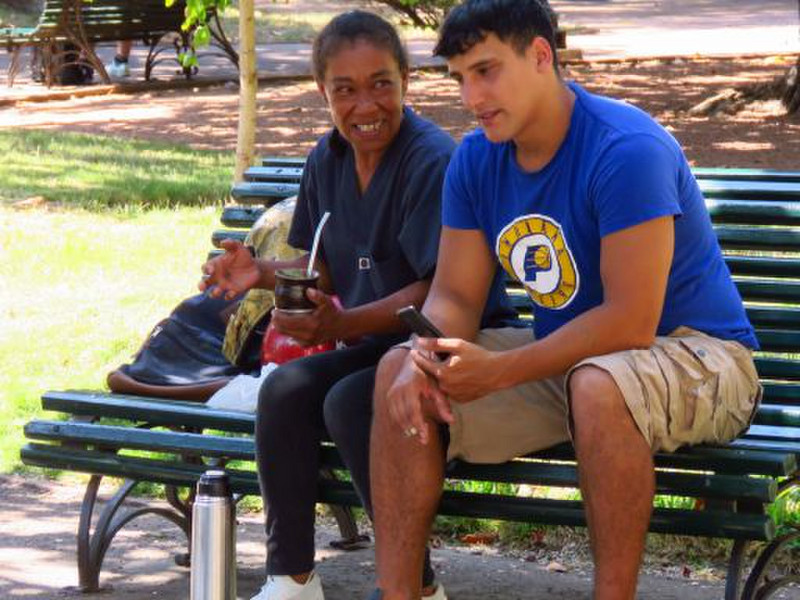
[(379, 173)]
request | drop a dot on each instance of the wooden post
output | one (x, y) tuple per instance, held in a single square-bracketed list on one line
[(248, 88)]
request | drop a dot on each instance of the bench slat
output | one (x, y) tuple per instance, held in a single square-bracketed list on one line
[(147, 410), (777, 368), (772, 445), (707, 523), (284, 161), (750, 190), (241, 216), (734, 237), (113, 436), (255, 191), (274, 173), (780, 416), (782, 393), (699, 485), (753, 212), (772, 266), (745, 174), (695, 485)]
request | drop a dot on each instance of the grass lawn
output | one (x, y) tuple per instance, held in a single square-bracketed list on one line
[(96, 172), (79, 291), (87, 264), (11, 16)]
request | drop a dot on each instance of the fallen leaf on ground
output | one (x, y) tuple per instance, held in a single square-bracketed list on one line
[(479, 538), (556, 567)]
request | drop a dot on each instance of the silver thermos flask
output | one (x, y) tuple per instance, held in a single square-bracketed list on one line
[(213, 574)]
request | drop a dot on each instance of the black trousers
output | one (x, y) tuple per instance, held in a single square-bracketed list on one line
[(296, 404)]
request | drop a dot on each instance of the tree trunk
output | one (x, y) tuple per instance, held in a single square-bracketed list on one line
[(248, 88)]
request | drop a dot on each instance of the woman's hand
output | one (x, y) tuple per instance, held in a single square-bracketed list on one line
[(326, 323), (231, 273)]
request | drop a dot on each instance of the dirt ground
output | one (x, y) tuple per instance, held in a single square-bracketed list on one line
[(292, 114), (37, 559)]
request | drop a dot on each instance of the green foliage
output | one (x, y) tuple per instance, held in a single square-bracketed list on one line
[(198, 13)]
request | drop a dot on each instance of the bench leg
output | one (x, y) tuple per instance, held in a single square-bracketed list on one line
[(93, 544), (734, 578), (762, 582), (759, 585), (351, 539)]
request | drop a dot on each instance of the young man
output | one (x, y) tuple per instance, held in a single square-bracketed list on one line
[(640, 340)]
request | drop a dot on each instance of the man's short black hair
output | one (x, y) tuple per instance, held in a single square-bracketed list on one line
[(350, 27), (516, 22)]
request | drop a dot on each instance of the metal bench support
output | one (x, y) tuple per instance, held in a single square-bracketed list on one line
[(93, 544)]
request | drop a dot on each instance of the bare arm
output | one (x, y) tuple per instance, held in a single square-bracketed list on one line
[(634, 267), (464, 273)]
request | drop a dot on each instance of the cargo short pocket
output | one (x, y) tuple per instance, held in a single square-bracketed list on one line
[(718, 394)]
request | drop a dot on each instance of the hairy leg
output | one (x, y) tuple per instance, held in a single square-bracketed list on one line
[(616, 478), (406, 483), (348, 419)]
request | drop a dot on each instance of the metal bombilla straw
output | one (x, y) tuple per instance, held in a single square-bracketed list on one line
[(315, 244)]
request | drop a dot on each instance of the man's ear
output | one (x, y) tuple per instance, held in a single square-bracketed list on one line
[(541, 52), (321, 88)]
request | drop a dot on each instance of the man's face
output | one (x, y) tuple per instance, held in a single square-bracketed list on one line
[(502, 87), (364, 89)]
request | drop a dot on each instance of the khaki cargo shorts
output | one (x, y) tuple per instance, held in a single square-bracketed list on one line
[(687, 388)]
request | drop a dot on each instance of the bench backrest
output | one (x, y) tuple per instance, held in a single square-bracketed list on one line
[(756, 216), (106, 20)]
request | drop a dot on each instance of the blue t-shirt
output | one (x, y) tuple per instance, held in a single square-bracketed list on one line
[(379, 241), (616, 168)]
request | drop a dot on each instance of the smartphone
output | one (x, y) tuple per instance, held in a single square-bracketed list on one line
[(419, 324)]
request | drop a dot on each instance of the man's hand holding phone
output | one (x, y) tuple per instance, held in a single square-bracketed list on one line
[(470, 371)]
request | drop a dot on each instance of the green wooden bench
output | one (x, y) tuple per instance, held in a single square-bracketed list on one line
[(79, 24), (724, 491)]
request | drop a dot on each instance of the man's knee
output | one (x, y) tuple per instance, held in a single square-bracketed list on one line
[(594, 398), (388, 367)]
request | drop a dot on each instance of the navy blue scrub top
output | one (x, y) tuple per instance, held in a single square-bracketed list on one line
[(381, 241)]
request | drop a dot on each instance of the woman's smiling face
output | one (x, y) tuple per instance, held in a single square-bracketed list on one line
[(364, 89)]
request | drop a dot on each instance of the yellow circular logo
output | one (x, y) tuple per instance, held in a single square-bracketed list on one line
[(533, 251)]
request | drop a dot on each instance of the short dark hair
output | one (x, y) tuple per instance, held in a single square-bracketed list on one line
[(349, 27), (516, 22)]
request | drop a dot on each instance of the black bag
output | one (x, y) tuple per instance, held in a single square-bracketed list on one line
[(68, 67), (182, 357)]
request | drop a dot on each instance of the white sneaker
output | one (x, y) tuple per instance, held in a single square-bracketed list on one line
[(283, 587), (438, 594), (118, 70)]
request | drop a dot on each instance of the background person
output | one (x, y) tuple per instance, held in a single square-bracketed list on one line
[(641, 342), (119, 66)]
